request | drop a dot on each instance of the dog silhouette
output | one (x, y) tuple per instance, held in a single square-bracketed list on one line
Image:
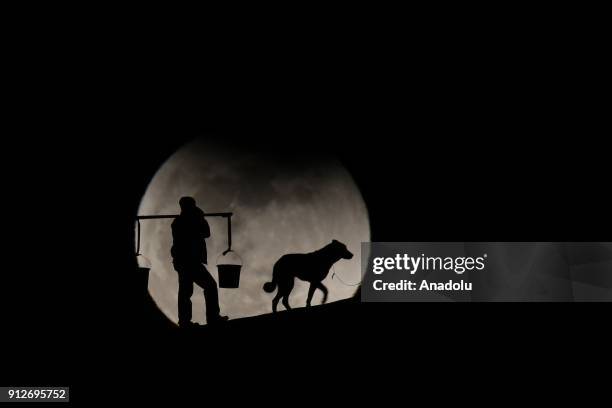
[(312, 267)]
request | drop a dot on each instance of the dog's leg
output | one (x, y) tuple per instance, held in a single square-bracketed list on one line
[(276, 300), (286, 302), (311, 291), (285, 288), (324, 290)]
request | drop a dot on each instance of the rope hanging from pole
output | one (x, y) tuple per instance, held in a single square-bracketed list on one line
[(229, 235), (138, 239)]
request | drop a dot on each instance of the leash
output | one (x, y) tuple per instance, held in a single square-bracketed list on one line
[(340, 279)]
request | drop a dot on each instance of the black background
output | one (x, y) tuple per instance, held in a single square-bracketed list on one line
[(479, 138)]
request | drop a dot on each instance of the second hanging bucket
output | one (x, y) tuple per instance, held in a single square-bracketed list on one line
[(229, 266)]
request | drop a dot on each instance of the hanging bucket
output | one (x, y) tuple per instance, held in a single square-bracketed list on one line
[(144, 266), (228, 268)]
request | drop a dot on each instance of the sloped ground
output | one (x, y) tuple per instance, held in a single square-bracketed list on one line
[(299, 318)]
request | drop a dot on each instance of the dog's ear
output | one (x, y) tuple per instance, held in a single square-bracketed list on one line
[(335, 241)]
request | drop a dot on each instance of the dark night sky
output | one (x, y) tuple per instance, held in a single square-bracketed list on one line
[(462, 146)]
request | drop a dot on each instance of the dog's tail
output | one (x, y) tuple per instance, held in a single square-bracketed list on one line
[(269, 286)]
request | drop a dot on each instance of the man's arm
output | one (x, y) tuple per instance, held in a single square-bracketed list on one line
[(204, 227)]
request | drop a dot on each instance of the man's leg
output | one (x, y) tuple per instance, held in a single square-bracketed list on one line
[(204, 279), (184, 297)]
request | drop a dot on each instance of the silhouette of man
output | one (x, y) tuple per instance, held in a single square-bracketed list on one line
[(189, 231)]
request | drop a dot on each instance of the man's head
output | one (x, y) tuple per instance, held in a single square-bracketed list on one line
[(187, 203)]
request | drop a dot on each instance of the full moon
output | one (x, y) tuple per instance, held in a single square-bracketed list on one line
[(281, 205)]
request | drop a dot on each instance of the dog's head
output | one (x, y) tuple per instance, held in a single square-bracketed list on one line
[(341, 250)]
